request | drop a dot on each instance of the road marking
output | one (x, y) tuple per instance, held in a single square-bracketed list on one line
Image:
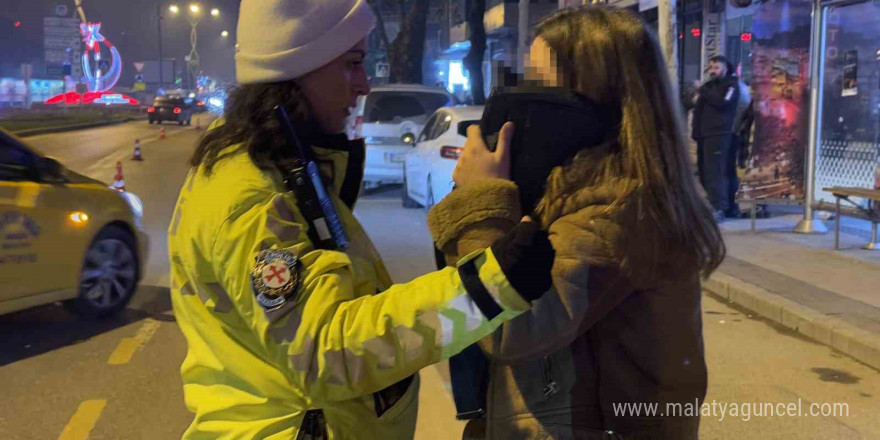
[(128, 346), (83, 420), (121, 153)]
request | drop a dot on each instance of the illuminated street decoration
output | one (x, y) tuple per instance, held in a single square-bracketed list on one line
[(96, 79), (113, 98), (105, 98), (99, 74)]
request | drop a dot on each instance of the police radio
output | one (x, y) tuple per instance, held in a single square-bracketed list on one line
[(325, 228)]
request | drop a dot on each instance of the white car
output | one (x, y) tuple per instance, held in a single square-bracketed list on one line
[(428, 167), (389, 118)]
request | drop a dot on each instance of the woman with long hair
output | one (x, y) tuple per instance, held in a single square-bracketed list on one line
[(291, 334), (622, 325)]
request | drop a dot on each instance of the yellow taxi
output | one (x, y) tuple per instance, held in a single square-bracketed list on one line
[(64, 236)]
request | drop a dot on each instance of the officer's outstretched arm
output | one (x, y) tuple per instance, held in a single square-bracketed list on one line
[(316, 325)]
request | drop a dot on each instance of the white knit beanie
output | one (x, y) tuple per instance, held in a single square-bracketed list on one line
[(284, 39)]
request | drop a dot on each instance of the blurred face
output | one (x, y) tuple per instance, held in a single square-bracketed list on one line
[(541, 64), (717, 70), (333, 88)]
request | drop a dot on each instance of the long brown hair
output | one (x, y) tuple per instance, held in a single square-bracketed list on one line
[(610, 56), (249, 121)]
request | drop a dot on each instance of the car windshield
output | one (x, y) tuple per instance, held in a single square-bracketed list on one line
[(396, 106)]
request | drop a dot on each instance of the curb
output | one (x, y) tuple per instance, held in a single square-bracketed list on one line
[(63, 128), (833, 332)]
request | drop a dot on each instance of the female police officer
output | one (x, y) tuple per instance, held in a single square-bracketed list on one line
[(286, 340)]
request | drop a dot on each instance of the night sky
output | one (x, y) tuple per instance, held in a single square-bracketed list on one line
[(131, 26)]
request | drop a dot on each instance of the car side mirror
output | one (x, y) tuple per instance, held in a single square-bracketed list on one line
[(50, 170)]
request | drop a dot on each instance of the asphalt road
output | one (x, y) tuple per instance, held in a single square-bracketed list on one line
[(118, 379)]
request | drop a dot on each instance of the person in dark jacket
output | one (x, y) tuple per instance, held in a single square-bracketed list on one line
[(713, 130), (632, 237)]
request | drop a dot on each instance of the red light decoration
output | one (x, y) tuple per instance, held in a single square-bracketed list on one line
[(151, 109), (696, 32), (18, 24), (680, 36), (745, 36), (176, 110), (73, 98)]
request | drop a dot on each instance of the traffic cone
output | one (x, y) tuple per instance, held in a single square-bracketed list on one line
[(137, 150), (118, 183), (162, 133)]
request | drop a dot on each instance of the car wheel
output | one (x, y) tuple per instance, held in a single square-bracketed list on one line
[(405, 199), (109, 274), (150, 121), (179, 122)]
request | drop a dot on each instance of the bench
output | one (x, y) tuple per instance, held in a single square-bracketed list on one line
[(753, 206), (872, 213)]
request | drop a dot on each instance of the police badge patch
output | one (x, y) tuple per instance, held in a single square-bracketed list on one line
[(275, 278)]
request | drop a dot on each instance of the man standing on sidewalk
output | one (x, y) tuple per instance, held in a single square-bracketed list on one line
[(713, 130)]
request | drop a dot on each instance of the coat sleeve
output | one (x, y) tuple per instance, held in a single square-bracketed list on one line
[(332, 342), (588, 282)]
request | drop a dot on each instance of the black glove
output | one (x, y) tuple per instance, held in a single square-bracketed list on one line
[(526, 257)]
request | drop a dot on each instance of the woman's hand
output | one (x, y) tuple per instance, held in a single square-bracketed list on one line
[(477, 162)]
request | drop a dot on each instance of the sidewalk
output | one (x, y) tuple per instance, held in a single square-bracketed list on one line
[(800, 281)]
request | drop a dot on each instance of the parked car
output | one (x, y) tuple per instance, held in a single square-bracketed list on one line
[(389, 118), (171, 108), (428, 167), (64, 236)]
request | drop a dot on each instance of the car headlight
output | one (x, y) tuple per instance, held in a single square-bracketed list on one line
[(137, 208)]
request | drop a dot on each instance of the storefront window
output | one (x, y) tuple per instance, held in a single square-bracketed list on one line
[(690, 42), (739, 45)]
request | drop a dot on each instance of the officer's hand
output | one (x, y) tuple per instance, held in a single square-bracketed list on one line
[(477, 162), (526, 258)]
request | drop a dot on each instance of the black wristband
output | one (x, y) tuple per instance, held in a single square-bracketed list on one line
[(526, 258)]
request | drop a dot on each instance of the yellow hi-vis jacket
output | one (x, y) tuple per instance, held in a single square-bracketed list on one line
[(251, 372)]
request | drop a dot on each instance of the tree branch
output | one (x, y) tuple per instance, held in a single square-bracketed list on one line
[(383, 35)]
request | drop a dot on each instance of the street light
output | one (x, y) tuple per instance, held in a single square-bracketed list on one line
[(193, 17)]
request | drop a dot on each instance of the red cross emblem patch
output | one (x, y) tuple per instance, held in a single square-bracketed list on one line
[(275, 277)]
